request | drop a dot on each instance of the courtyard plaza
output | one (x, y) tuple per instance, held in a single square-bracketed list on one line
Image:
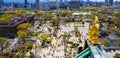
[(57, 48)]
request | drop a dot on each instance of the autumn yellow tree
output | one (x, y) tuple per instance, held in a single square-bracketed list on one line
[(24, 26)]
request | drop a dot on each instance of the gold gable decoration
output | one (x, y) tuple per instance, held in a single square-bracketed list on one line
[(93, 32)]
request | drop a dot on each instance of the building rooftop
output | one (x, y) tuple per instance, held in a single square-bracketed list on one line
[(14, 21), (84, 13)]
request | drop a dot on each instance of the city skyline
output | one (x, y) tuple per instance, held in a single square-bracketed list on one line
[(22, 1)]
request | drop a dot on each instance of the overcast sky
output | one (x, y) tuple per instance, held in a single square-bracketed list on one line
[(43, 0)]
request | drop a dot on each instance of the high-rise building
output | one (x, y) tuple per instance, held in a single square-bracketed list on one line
[(88, 1), (74, 4), (81, 2), (37, 4), (26, 3), (1, 3), (111, 2), (106, 1), (53, 4)]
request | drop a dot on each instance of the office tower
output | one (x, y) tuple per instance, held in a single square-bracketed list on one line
[(53, 4), (81, 2), (26, 3), (106, 1), (74, 4), (1, 3), (37, 4), (15, 5), (65, 2), (111, 2)]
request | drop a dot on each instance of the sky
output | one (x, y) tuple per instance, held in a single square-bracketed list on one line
[(42, 0)]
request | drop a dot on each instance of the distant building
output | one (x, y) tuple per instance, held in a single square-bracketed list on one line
[(15, 5), (107, 2), (26, 4), (111, 2), (1, 3), (10, 27), (52, 4), (62, 4), (81, 2), (74, 4), (37, 4), (88, 1)]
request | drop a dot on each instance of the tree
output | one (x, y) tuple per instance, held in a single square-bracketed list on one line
[(22, 49), (117, 55), (55, 21), (29, 45), (49, 29), (22, 34), (39, 13), (65, 13), (77, 33), (80, 15), (24, 26), (104, 42), (45, 38), (95, 14), (5, 17), (2, 40)]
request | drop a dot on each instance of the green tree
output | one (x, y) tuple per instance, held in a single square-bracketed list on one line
[(22, 34), (55, 21), (49, 29), (45, 38), (2, 40), (22, 49)]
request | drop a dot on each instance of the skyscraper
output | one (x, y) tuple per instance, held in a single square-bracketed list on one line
[(106, 1), (37, 4), (111, 2), (74, 4), (53, 4), (81, 2), (1, 3), (26, 3)]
